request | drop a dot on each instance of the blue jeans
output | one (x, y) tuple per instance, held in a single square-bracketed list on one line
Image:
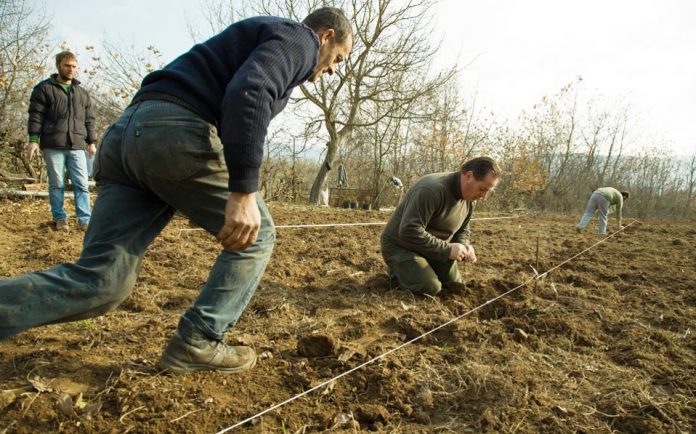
[(90, 164), (156, 159), (76, 162), (596, 203)]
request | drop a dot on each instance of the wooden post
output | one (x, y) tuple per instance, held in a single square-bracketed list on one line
[(536, 281)]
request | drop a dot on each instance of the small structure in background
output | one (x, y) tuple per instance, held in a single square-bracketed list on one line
[(342, 196), (396, 182), (349, 197), (342, 177)]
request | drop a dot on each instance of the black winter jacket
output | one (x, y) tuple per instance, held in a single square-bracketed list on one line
[(61, 120)]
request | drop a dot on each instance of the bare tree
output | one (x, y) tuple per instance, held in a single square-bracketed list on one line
[(283, 171), (23, 57), (449, 132), (386, 71), (115, 75), (551, 131), (691, 182), (617, 135), (217, 15)]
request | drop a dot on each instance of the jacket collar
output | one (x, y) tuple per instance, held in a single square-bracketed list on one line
[(54, 80)]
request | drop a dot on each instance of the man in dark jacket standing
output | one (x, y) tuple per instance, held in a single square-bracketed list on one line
[(192, 140), (428, 234), (61, 124)]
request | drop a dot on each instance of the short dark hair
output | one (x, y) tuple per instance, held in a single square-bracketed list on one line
[(481, 167), (64, 55), (330, 18), (625, 195)]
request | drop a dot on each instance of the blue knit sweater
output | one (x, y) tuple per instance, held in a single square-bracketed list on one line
[(239, 80)]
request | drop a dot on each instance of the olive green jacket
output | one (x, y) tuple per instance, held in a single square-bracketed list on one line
[(431, 216)]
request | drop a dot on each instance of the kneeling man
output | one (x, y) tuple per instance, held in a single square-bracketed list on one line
[(429, 231)]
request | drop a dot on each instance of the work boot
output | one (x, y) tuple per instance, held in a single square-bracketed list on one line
[(578, 229), (202, 354), (82, 226), (62, 225)]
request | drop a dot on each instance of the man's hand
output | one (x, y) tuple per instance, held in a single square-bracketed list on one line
[(32, 147), (242, 221), (462, 252), (471, 254), (458, 252), (91, 149)]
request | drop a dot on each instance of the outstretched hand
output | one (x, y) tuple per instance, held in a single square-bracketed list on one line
[(242, 221)]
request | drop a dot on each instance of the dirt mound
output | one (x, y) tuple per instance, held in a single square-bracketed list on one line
[(605, 343)]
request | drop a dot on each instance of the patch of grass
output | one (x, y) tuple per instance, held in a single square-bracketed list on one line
[(87, 324), (448, 348)]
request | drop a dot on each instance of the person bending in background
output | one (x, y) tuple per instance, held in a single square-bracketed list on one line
[(604, 200), (428, 234), (192, 140)]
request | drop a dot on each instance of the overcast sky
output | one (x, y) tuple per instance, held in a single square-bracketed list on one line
[(517, 51)]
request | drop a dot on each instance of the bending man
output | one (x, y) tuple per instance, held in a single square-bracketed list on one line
[(604, 200), (192, 140)]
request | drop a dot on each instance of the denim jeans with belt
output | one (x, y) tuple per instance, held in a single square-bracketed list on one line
[(76, 162), (596, 203), (157, 158)]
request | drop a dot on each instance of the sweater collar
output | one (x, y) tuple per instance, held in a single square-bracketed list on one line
[(454, 185), (316, 53)]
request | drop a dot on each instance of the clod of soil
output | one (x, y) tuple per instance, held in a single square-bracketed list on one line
[(316, 346), (6, 398), (370, 414)]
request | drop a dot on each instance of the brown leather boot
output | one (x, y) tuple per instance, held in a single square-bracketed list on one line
[(62, 225), (201, 354)]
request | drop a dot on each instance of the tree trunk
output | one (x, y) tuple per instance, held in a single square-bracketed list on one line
[(331, 151)]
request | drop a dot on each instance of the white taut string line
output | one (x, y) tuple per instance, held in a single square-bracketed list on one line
[(328, 225), (383, 355)]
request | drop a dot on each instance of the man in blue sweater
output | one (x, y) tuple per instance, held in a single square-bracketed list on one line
[(192, 140)]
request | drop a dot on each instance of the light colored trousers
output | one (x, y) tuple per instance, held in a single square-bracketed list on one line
[(597, 203), (57, 160)]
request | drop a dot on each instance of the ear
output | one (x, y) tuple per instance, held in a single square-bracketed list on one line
[(326, 35)]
